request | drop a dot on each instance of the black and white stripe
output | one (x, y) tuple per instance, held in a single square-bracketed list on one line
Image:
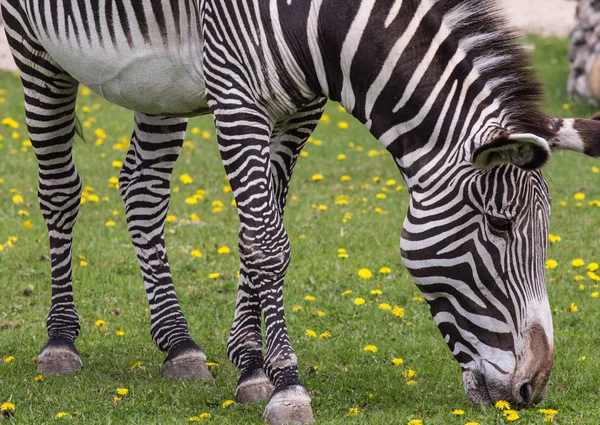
[(441, 83)]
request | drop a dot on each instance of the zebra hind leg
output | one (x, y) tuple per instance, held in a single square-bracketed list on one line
[(144, 184), (50, 96)]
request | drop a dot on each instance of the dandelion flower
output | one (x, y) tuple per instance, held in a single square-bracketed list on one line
[(376, 292), (310, 333), (579, 196), (592, 267), (359, 301), (415, 422), (458, 412), (227, 403), (502, 405), (370, 348), (61, 415), (554, 238), (309, 298), (185, 179), (122, 391), (223, 250), (9, 359), (573, 308), (119, 332), (353, 411), (110, 223), (397, 361), (551, 264), (398, 312), (385, 306), (325, 335), (214, 275), (38, 378), (578, 262), (296, 308), (100, 323), (385, 270), (409, 373), (365, 273), (343, 125), (17, 199), (317, 177), (346, 292), (196, 253)]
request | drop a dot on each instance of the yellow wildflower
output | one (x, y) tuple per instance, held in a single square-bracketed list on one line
[(346, 292), (397, 361), (223, 250), (343, 125), (578, 262), (17, 199), (185, 179), (458, 412), (572, 308), (227, 403), (122, 391), (592, 267), (359, 301), (310, 333), (100, 323), (415, 422), (398, 311), (309, 298), (409, 373), (502, 405), (317, 177), (376, 292), (370, 348), (385, 306), (60, 415), (9, 359), (196, 253), (214, 275), (579, 196), (341, 157), (365, 273), (551, 264), (353, 411), (110, 223), (385, 270), (38, 378)]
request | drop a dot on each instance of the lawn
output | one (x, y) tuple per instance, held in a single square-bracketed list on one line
[(337, 371)]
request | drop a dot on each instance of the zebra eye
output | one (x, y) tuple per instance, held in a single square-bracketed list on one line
[(499, 224)]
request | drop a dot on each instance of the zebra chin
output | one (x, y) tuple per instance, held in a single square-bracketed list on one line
[(525, 385)]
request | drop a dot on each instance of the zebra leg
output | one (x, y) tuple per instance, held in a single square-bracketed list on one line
[(244, 138), (144, 184), (245, 343), (50, 96)]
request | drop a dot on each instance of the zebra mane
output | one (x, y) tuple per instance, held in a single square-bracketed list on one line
[(501, 60)]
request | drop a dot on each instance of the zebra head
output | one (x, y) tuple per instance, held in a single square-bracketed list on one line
[(475, 241)]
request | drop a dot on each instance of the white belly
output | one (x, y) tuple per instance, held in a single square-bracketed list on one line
[(149, 78)]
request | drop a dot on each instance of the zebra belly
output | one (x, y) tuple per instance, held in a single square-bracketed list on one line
[(154, 80)]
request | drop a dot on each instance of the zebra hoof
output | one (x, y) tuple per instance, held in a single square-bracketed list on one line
[(290, 406), (253, 387), (59, 357), (186, 361)]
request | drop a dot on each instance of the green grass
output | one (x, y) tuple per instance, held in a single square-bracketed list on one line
[(347, 376)]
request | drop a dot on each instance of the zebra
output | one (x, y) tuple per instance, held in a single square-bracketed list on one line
[(442, 84)]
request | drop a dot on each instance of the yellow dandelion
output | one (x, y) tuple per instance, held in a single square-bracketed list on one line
[(196, 253), (551, 264), (27, 224), (341, 157), (458, 412), (376, 292), (385, 306), (554, 238), (346, 292), (310, 333), (592, 267), (502, 405), (185, 179), (122, 391), (61, 415), (38, 378), (579, 196), (317, 177), (110, 223), (345, 178), (365, 273), (227, 403), (353, 411), (309, 298), (7, 406), (17, 199), (573, 308), (223, 250), (385, 270), (296, 308), (398, 311), (578, 262), (397, 361), (9, 359), (342, 125), (214, 275), (100, 323), (325, 335), (359, 301), (411, 382), (415, 422), (370, 348), (119, 332)]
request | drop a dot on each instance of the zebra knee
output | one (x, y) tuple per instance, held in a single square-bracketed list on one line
[(265, 257)]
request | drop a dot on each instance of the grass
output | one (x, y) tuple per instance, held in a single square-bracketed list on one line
[(346, 376)]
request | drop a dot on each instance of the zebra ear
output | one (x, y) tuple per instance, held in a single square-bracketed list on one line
[(579, 135), (524, 150)]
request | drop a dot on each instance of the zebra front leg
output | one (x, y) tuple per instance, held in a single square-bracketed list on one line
[(244, 137), (245, 343), (145, 188)]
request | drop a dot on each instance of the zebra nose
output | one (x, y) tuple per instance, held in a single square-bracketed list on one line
[(524, 394)]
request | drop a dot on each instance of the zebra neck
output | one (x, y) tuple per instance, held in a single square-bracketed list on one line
[(425, 77)]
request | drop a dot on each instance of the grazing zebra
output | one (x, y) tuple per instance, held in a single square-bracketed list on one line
[(441, 84)]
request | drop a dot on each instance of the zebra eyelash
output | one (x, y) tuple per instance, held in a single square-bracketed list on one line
[(498, 224)]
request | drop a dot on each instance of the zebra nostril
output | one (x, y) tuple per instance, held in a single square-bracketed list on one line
[(525, 393)]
